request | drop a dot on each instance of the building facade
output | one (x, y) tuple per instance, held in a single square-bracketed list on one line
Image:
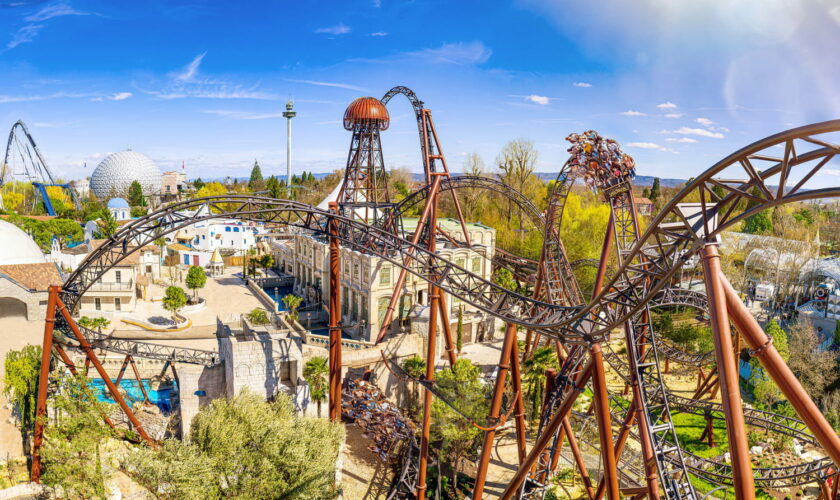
[(368, 282)]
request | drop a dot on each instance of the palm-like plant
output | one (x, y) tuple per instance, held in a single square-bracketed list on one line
[(534, 369), (315, 372), (415, 367)]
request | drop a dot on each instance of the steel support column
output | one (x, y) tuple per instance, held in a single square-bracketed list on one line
[(736, 433), (602, 413), (495, 409), (434, 309), (43, 382), (780, 372), (519, 410), (335, 319)]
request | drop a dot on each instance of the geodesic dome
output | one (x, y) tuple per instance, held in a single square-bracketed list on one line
[(115, 174)]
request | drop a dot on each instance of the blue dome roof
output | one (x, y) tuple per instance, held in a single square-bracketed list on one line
[(117, 203)]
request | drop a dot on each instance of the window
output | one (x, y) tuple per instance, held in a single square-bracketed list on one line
[(355, 270), (344, 303), (148, 269), (227, 229), (118, 275), (203, 236), (476, 264), (236, 230), (117, 304), (365, 309), (385, 276), (354, 304), (97, 303), (461, 262)]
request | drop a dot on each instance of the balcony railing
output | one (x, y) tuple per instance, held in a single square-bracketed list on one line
[(114, 286)]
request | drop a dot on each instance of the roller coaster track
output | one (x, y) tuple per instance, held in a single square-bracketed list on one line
[(720, 473), (648, 264)]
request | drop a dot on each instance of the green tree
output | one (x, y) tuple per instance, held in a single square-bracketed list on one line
[(196, 278), (277, 454), (459, 439), (20, 386), (655, 191), (174, 299), (504, 278), (65, 230), (292, 303), (836, 340), (780, 338), (533, 370), (459, 329), (415, 367), (275, 190), (72, 450), (766, 392), (256, 182), (135, 195), (198, 184), (107, 224), (316, 371), (258, 316), (266, 262), (759, 223)]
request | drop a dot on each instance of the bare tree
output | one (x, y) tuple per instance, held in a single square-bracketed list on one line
[(474, 166), (516, 163)]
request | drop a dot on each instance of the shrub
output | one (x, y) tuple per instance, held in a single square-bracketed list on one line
[(258, 316)]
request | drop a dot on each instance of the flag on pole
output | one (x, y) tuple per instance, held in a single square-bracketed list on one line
[(182, 165)]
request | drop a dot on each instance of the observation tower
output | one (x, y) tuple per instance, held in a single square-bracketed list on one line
[(364, 192)]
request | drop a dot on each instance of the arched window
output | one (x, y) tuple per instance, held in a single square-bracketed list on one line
[(381, 307)]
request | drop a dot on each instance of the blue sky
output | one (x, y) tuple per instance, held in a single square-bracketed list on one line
[(679, 84)]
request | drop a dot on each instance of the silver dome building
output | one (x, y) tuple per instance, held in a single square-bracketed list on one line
[(115, 174)]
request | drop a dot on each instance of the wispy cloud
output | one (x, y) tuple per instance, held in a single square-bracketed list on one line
[(683, 140), (700, 132), (705, 122), (331, 84), (534, 98), (646, 145), (119, 96), (673, 115), (28, 32), (667, 105), (379, 33), (242, 115), (6, 99), (190, 70), (582, 84), (338, 29), (461, 53), (631, 112)]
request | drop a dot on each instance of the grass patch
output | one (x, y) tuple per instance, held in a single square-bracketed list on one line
[(690, 427)]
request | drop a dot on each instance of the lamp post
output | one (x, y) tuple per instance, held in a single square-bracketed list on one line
[(288, 115)]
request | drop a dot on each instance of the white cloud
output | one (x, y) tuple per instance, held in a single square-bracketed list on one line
[(646, 145), (377, 4), (379, 33), (674, 115), (685, 140), (705, 122), (242, 115), (830, 171), (121, 96), (27, 33), (338, 29), (331, 84), (191, 69), (538, 99), (582, 84), (630, 112), (51, 11), (461, 53), (701, 132), (5, 99), (667, 105)]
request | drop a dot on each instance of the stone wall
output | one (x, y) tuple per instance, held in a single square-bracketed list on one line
[(263, 363)]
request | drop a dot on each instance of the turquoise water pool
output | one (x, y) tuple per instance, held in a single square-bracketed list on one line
[(277, 293), (165, 398)]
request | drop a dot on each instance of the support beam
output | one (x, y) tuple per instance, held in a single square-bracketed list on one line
[(122, 370), (519, 410), (43, 382), (602, 413), (448, 344), (85, 346), (434, 309), (495, 409), (727, 369), (335, 319), (139, 380), (548, 433), (780, 372)]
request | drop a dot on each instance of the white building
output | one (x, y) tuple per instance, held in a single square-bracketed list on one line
[(223, 234), (119, 209), (25, 275), (368, 282)]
